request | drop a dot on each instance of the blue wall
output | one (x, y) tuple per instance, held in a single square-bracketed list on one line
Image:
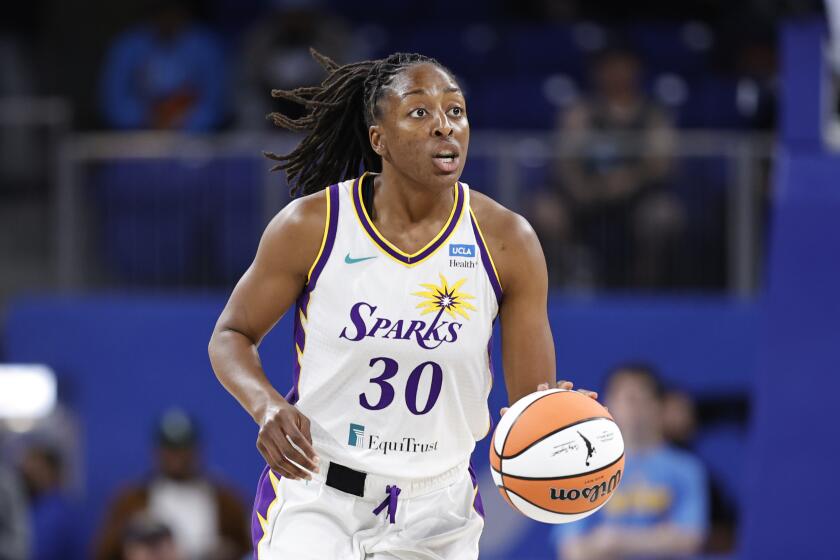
[(124, 359), (792, 509)]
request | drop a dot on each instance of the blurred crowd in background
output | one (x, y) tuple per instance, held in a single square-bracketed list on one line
[(638, 142), (669, 505), (177, 511), (623, 190)]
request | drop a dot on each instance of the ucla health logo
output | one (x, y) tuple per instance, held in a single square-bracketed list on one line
[(461, 255), (448, 303), (458, 250)]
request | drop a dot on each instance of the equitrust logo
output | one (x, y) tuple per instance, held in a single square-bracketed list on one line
[(360, 439), (357, 436)]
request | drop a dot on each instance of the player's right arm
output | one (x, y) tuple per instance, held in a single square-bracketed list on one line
[(268, 288)]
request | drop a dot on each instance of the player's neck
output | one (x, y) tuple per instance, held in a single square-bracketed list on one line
[(406, 201)]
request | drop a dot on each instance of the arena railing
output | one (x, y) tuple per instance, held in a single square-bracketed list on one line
[(745, 160), (31, 131)]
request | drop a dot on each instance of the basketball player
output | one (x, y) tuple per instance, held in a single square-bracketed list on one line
[(396, 277)]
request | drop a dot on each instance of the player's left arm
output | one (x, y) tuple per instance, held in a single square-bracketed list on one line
[(527, 345)]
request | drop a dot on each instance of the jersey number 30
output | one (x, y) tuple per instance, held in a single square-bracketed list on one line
[(386, 396)]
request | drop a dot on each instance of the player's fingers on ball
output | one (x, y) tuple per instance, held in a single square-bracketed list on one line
[(503, 410), (590, 394), (563, 384)]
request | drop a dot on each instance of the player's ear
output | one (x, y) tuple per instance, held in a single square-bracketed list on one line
[(377, 140)]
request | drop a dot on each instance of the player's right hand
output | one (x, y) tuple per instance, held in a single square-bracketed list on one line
[(285, 442)]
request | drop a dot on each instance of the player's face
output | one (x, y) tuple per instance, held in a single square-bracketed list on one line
[(422, 130)]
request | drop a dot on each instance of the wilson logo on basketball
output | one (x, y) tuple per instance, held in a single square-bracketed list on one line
[(591, 493)]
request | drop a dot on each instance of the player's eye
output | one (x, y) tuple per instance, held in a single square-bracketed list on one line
[(419, 112), (456, 111)]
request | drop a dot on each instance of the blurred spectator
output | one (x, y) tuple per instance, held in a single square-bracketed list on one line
[(148, 539), (276, 56), (679, 418), (19, 145), (613, 198), (208, 520), (757, 66), (660, 509), (53, 516), (832, 9), (17, 73), (167, 73), (679, 423), (14, 527)]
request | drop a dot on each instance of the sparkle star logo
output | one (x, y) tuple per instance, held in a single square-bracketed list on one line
[(442, 310), (445, 298)]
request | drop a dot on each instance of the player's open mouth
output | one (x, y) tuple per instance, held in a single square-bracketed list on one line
[(446, 161)]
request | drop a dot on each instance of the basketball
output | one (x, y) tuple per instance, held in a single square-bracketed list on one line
[(557, 456)]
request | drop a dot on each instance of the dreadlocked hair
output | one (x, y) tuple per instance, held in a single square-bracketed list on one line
[(338, 114)]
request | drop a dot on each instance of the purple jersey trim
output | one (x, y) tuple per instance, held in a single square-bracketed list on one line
[(265, 495), (332, 226), (479, 507), (302, 304), (485, 260), (492, 375), (403, 258)]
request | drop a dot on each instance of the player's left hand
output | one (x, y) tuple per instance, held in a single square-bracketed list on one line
[(567, 385)]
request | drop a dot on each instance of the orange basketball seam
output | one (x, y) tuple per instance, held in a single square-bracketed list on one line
[(550, 410), (507, 435)]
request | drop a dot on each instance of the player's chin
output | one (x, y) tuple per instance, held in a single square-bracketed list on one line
[(443, 177)]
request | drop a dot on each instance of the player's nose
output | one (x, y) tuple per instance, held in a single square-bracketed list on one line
[(442, 126)]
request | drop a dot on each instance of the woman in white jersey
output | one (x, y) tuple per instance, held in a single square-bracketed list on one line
[(395, 288)]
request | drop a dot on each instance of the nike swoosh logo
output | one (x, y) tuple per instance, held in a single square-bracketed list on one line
[(350, 260)]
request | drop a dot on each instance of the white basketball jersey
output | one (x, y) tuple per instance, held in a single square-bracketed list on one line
[(393, 364)]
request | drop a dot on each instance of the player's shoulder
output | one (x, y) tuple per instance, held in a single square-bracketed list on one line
[(499, 222), (293, 236), (510, 239), (301, 215)]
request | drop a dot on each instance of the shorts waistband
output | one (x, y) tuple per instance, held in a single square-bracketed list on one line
[(375, 486)]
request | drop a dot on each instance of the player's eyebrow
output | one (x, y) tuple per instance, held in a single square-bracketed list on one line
[(412, 92), (418, 91)]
